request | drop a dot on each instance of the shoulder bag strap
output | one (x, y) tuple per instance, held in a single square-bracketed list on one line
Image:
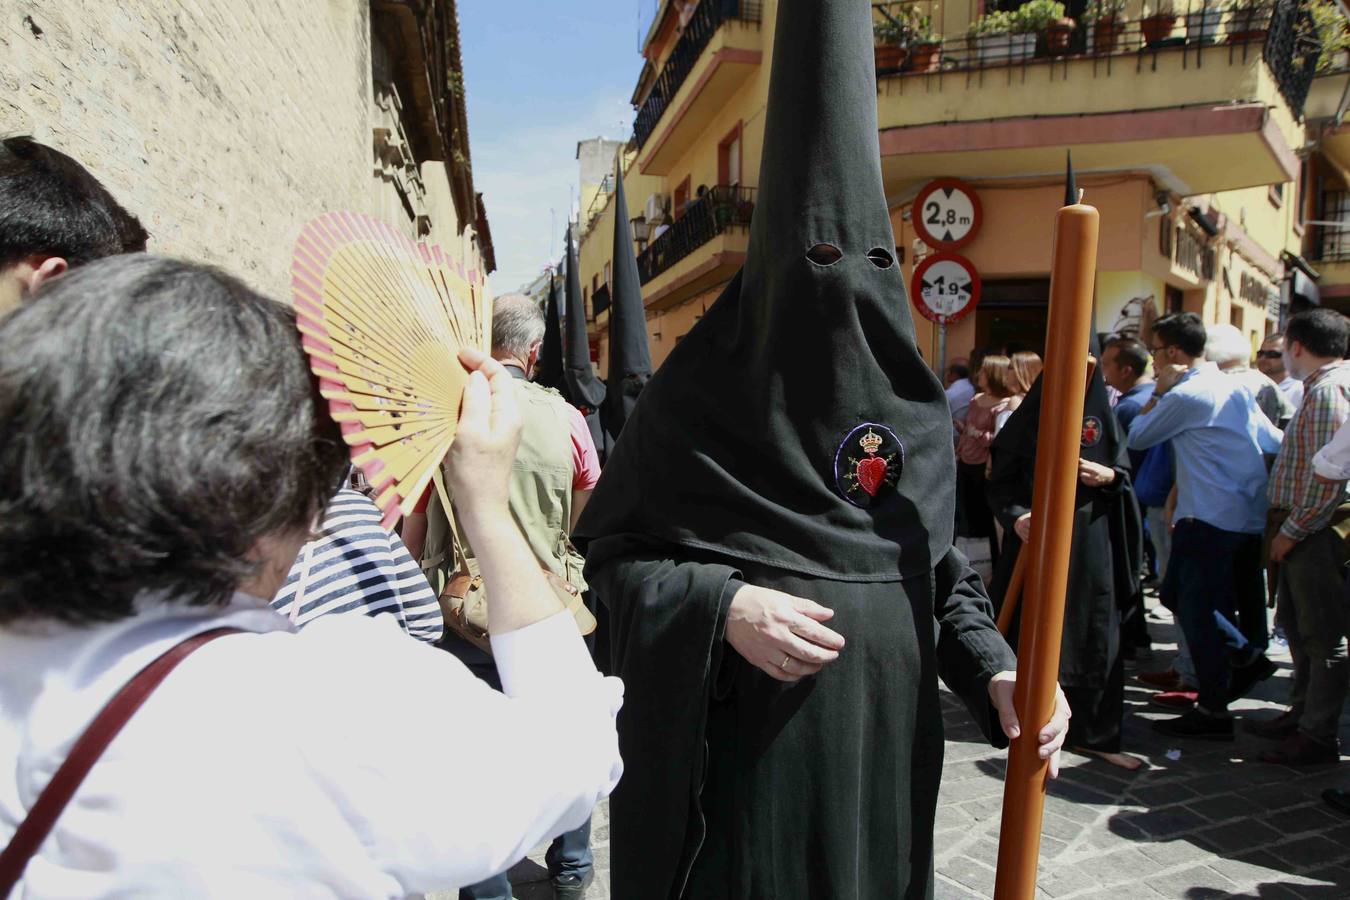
[(33, 830)]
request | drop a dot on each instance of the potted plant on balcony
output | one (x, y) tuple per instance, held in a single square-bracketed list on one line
[(991, 37), (1046, 19), (1248, 21), (890, 37), (1202, 25), (1332, 33), (1158, 26), (925, 45), (1108, 23)]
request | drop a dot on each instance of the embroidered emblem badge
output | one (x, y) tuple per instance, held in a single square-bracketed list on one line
[(862, 476), (1092, 431)]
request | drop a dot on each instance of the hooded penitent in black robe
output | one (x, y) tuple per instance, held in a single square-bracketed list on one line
[(794, 440), (630, 358), (548, 371), (1103, 565), (583, 388)]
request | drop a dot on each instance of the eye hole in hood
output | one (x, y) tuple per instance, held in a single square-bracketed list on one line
[(880, 258), (824, 254)]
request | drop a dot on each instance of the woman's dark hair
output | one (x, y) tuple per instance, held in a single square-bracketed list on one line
[(1322, 332), (1184, 330), (159, 417)]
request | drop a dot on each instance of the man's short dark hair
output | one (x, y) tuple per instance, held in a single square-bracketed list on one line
[(1322, 332), (1130, 352), (51, 206), (959, 370), (159, 418), (1183, 330)]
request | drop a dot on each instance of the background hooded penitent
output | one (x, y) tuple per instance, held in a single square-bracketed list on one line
[(583, 388), (736, 443)]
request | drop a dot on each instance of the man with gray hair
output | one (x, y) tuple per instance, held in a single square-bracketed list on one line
[(551, 478), (1227, 348)]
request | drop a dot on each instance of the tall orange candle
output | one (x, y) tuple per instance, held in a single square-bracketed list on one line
[(1073, 272)]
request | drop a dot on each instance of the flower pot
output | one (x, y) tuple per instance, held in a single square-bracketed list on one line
[(1202, 27), (1157, 28), (890, 56), (925, 57), (1057, 37), (991, 49), (1106, 33), (1021, 46)]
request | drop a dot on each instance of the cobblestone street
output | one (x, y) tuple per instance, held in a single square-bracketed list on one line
[(1203, 820)]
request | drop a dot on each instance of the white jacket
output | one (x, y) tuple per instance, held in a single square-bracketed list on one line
[(347, 760)]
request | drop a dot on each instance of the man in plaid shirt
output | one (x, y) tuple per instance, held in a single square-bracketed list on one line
[(1310, 546)]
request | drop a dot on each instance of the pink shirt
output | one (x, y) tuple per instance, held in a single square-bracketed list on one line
[(585, 460)]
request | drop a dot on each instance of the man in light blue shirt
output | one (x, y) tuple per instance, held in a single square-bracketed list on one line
[(1219, 436)]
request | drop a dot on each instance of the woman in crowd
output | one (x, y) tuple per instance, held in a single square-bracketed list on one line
[(997, 397), (143, 402)]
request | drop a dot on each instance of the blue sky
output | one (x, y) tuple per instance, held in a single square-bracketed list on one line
[(539, 77)]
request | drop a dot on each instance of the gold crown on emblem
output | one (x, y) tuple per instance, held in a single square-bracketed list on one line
[(871, 442)]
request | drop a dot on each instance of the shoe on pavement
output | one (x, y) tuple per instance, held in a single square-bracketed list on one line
[(1337, 799), (1174, 699), (1167, 680), (572, 887), (1277, 729), (1243, 678), (1301, 750), (1197, 724)]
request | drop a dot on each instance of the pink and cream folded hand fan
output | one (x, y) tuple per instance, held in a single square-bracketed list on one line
[(383, 319)]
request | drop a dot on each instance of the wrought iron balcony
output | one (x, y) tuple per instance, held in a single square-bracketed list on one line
[(720, 209), (707, 18), (1281, 32), (600, 300)]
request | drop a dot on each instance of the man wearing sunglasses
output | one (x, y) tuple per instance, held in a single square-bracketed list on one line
[(1270, 360)]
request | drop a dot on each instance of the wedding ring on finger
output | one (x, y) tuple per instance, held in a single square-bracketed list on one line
[(787, 657)]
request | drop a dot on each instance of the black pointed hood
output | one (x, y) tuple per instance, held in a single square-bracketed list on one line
[(797, 424), (630, 359), (548, 371), (585, 390)]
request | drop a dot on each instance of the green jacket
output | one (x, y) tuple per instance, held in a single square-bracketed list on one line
[(540, 494)]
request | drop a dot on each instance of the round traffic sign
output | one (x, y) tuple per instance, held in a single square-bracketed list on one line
[(946, 288), (947, 214)]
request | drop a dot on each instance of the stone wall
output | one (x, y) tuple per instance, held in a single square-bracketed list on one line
[(223, 124)]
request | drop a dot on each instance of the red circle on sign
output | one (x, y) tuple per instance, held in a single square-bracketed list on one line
[(950, 261), (929, 231)]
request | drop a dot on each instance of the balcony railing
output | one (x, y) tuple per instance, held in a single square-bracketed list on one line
[(720, 209), (599, 300), (707, 18), (1281, 32)]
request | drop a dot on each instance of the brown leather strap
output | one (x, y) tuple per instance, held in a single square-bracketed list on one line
[(33, 830)]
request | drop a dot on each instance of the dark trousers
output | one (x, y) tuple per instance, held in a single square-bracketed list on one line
[(570, 853), (1315, 613), (979, 518), (1203, 572)]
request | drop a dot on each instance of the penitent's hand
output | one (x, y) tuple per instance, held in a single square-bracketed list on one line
[(1051, 737), (1094, 474), (781, 634), (479, 461), (1023, 527)]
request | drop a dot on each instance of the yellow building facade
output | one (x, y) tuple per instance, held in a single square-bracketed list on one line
[(1205, 141)]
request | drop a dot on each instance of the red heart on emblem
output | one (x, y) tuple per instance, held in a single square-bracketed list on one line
[(871, 474)]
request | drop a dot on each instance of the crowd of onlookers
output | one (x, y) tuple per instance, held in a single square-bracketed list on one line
[(1240, 474)]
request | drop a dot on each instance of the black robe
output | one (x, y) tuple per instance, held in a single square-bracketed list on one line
[(824, 788), (794, 440), (1104, 562)]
